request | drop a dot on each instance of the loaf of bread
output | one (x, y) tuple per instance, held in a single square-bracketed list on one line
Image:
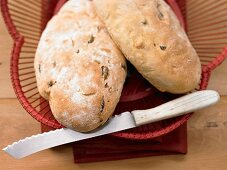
[(152, 39), (78, 67)]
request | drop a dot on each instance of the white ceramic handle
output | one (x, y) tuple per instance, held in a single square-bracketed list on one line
[(186, 104)]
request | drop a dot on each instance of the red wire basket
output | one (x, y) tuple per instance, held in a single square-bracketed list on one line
[(205, 23)]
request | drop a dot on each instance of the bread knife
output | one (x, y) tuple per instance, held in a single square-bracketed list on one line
[(126, 120)]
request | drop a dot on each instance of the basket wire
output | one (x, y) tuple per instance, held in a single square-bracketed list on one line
[(205, 22)]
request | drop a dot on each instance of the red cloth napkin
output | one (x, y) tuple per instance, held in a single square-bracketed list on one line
[(108, 147)]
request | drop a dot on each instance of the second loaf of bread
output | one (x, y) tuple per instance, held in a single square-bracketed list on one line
[(151, 38)]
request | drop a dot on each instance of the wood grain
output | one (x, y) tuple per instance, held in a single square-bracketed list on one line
[(218, 80), (5, 48)]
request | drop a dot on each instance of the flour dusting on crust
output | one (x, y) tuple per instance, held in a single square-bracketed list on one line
[(72, 52)]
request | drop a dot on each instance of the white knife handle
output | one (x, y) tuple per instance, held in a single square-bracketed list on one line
[(180, 106)]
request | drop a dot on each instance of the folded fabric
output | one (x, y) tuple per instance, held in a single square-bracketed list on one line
[(109, 147)]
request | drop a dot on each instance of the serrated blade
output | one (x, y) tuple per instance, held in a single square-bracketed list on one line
[(46, 140)]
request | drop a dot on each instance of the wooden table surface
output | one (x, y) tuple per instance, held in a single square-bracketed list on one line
[(207, 132)]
